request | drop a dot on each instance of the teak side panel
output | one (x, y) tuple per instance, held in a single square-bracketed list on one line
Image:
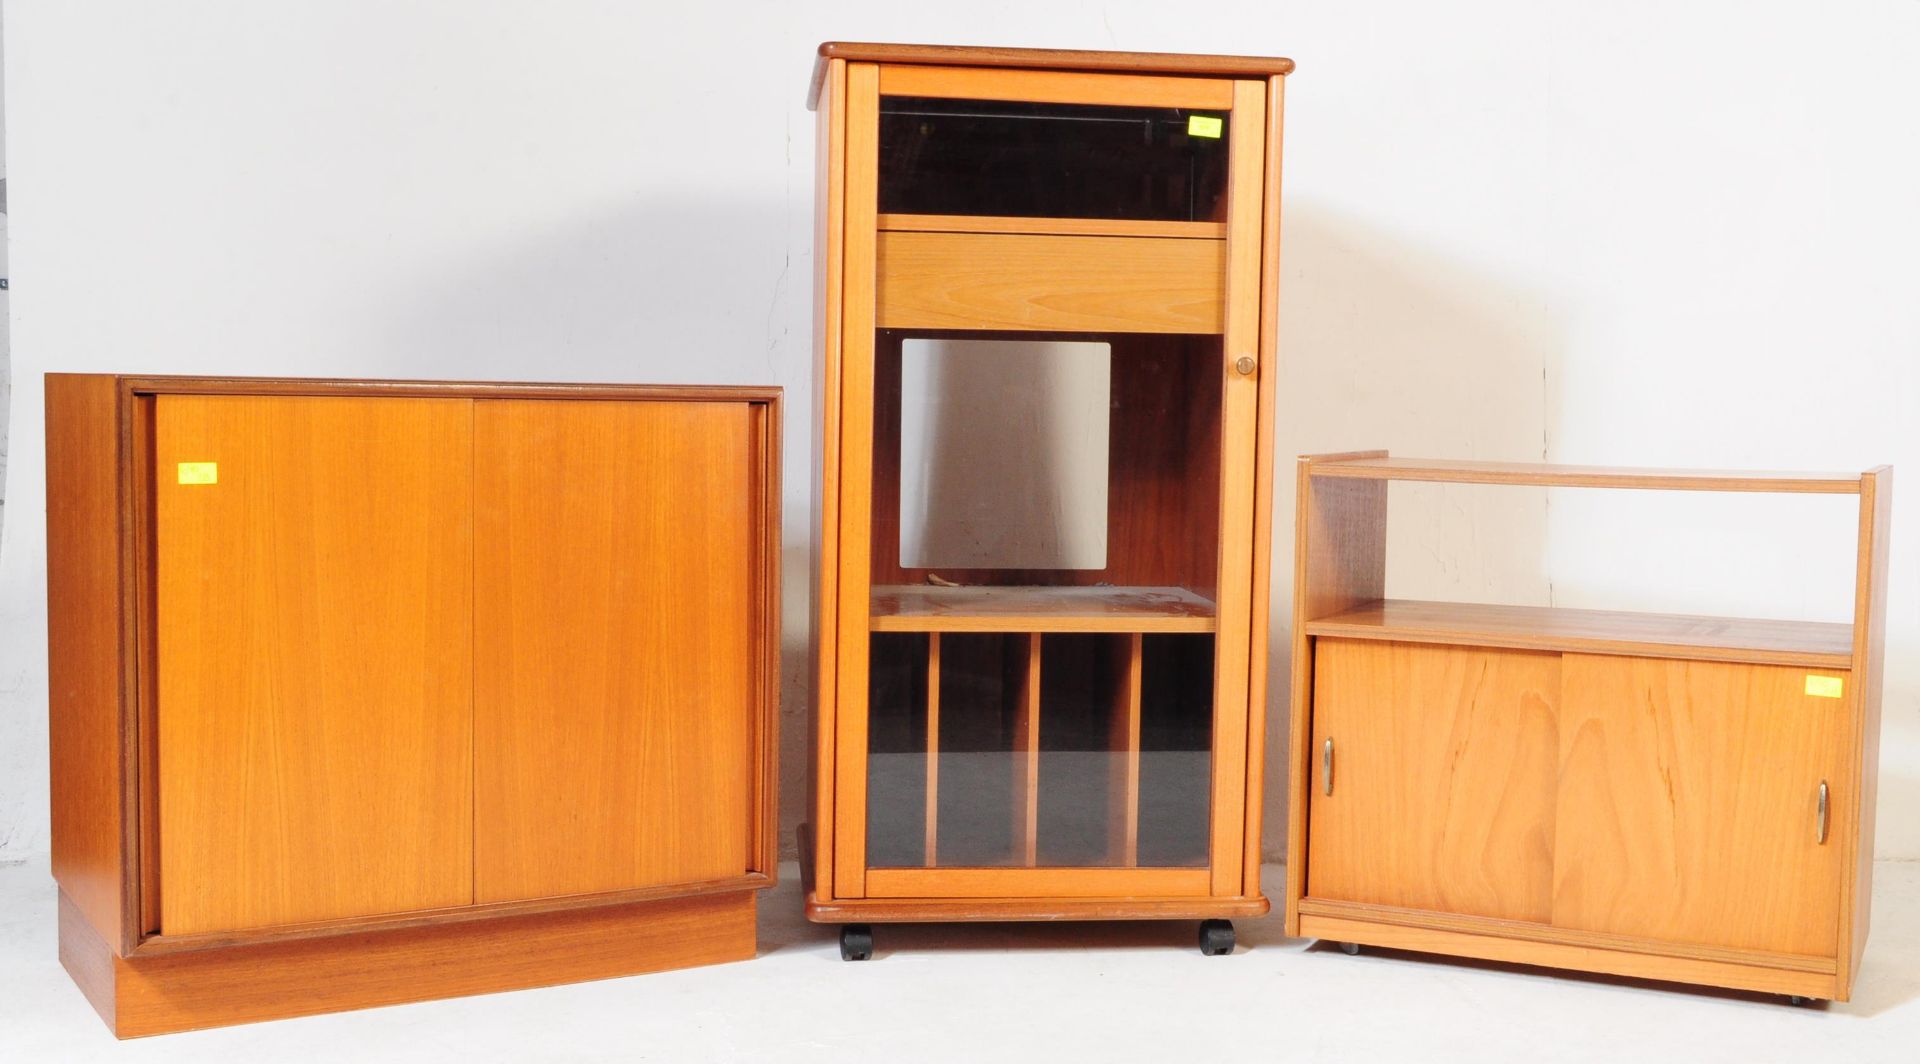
[(856, 478), (212, 988), (1052, 86), (314, 710), (830, 148), (1339, 559), (1856, 809), (1688, 804), (86, 670), (1442, 778), (934, 280), (614, 646), (1239, 427), (1263, 490)]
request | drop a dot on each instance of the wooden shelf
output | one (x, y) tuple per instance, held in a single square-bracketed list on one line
[(981, 223), (1811, 644), (1572, 476), (914, 608)]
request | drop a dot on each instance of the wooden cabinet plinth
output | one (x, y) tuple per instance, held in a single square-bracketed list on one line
[(366, 692)]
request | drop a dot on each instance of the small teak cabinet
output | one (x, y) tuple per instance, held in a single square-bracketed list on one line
[(1046, 287), (1671, 797), (367, 692)]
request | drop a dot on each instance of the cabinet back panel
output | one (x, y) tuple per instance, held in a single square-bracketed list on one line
[(314, 658), (1689, 800), (614, 645), (1443, 778)]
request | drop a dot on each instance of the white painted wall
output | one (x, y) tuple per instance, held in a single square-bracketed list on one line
[(1675, 233)]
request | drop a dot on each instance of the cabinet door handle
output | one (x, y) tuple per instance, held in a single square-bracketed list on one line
[(1326, 773), (1820, 828)]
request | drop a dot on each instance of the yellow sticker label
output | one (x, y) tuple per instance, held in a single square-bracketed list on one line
[(199, 472), (1203, 126), (1824, 686)]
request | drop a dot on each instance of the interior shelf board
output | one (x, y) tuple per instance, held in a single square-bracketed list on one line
[(1574, 476), (1808, 644), (976, 223), (918, 608)]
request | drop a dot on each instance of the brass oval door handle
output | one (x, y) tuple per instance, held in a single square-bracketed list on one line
[(1244, 364), (1820, 828), (1326, 768)]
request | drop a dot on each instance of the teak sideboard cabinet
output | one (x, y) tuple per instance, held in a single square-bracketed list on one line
[(1669, 797), (1045, 287), (367, 692)]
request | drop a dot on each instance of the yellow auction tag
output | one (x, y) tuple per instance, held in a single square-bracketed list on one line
[(1824, 686), (199, 472), (1203, 126)]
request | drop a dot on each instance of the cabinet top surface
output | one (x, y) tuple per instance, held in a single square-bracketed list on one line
[(1381, 467), (1045, 59), (160, 383)]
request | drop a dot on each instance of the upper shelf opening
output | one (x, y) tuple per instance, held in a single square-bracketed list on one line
[(917, 608), (1006, 158), (1573, 476)]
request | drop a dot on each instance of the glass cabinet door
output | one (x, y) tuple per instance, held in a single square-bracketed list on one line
[(1048, 652)]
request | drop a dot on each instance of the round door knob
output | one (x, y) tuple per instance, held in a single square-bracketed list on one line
[(1244, 365)]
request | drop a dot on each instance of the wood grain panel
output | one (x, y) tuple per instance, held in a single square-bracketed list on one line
[(1580, 958), (1339, 559), (212, 988), (1039, 58), (1036, 882), (1257, 688), (856, 478), (1855, 811), (924, 608), (1536, 932), (1133, 906), (1444, 762), (1239, 429), (1054, 283), (829, 241), (1050, 86), (1687, 803), (987, 223), (1815, 644), (614, 645), (314, 659), (87, 671), (1572, 476), (1123, 776)]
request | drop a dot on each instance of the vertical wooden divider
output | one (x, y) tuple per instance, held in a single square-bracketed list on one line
[(1123, 783), (933, 748), (1026, 748)]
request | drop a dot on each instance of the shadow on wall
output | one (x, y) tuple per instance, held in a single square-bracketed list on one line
[(1386, 343)]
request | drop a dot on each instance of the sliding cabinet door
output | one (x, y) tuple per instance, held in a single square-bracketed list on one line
[(615, 653), (1691, 804), (1433, 778), (313, 707)]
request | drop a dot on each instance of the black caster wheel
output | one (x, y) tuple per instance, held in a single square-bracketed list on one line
[(1216, 937), (856, 942), (1351, 949), (1795, 999)]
